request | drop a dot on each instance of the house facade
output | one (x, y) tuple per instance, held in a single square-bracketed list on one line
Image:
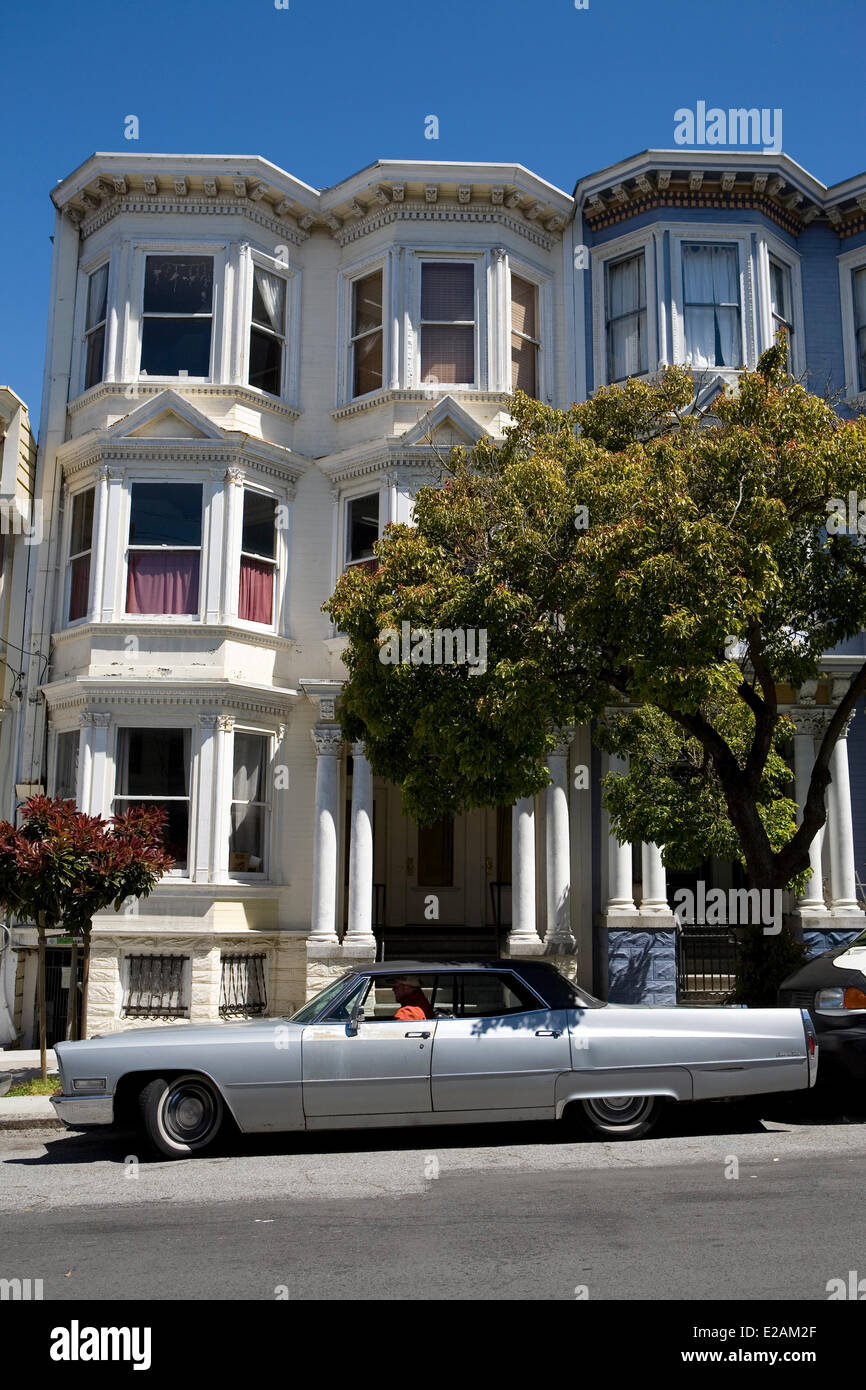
[(246, 380)]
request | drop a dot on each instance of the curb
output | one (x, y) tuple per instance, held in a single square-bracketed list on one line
[(31, 1122)]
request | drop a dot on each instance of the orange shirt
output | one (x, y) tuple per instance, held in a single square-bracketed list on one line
[(418, 1008)]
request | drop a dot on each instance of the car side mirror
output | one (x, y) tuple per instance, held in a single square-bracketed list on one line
[(355, 1018)]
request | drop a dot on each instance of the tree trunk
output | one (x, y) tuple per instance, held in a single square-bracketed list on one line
[(72, 1006), (85, 981), (40, 994)]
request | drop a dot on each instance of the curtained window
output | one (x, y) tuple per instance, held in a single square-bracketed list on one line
[(711, 301), (94, 326), (448, 322), (524, 336), (250, 803), (626, 327), (80, 546), (152, 768), (177, 316), (164, 555), (860, 323), (781, 301), (362, 527), (366, 345), (258, 558), (267, 331)]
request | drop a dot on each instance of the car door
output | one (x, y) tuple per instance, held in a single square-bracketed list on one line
[(502, 1050), (382, 1068)]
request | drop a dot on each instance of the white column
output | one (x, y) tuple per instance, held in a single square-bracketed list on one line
[(654, 898), (523, 928), (114, 548), (234, 492), (840, 828), (223, 777), (812, 900), (620, 876), (206, 800), (85, 761), (557, 847), (360, 928), (328, 741), (98, 543), (100, 800)]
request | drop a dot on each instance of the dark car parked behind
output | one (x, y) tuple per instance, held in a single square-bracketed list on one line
[(832, 987)]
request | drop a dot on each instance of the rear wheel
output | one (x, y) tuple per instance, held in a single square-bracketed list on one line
[(620, 1117), (181, 1117)]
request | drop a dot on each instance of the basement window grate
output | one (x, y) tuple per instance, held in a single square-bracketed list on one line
[(156, 987), (243, 993)]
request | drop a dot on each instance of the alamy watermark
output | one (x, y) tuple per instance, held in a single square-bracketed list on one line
[(736, 126), (847, 520), (734, 907), (423, 646), (22, 518)]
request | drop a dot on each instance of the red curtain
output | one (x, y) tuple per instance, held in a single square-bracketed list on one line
[(78, 587), (163, 583), (256, 602)]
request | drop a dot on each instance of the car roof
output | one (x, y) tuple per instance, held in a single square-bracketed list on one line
[(429, 967)]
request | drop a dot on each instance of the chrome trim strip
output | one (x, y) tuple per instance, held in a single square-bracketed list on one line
[(84, 1110)]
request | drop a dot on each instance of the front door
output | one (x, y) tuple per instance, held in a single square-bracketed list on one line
[(382, 1069), (502, 1050)]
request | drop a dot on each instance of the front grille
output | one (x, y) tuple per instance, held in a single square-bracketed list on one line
[(797, 998)]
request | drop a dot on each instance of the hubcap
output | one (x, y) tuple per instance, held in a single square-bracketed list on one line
[(189, 1113), (620, 1110)]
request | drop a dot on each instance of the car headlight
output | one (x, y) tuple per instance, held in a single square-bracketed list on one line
[(841, 1000), (89, 1083)]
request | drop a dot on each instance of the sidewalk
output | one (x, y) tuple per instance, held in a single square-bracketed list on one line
[(26, 1112)]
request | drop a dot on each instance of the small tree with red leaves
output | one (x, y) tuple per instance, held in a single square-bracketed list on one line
[(61, 866)]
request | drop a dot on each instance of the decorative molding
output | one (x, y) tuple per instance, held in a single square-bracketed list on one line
[(379, 216), (387, 397), (464, 193), (129, 696), (221, 631), (211, 204), (108, 390), (328, 740), (208, 719)]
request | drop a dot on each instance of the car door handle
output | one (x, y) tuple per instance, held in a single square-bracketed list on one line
[(546, 1033), (416, 1035)]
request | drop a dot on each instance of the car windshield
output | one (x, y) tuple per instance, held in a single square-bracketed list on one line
[(321, 1001)]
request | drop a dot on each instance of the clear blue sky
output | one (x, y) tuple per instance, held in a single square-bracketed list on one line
[(327, 86)]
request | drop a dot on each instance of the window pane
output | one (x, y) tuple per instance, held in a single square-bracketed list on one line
[(523, 365), (269, 298), (66, 774), (250, 767), (172, 346), (163, 582), (711, 278), (82, 521), (436, 854), (524, 303), (266, 362), (448, 354), (95, 354), (448, 293), (367, 374), (178, 285), (363, 526), (246, 843), (860, 297), (627, 351), (256, 596), (97, 296), (79, 587), (626, 286), (165, 514), (152, 762), (486, 995), (780, 297), (367, 303), (258, 525)]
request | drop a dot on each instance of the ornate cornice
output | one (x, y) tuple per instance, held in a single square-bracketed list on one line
[(420, 393), (328, 739), (98, 212), (79, 696), (108, 390), (609, 207), (434, 211), (188, 631), (203, 453)]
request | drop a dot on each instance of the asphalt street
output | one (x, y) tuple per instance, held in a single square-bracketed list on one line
[(722, 1206)]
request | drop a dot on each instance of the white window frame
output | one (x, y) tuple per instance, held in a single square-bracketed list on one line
[(363, 489), (619, 249), (280, 557), (543, 283), (141, 249), (480, 260), (88, 485), (132, 719), (848, 263), (771, 248), (78, 365), (358, 270), (707, 234), (252, 876), (151, 619), (291, 292), (54, 758)]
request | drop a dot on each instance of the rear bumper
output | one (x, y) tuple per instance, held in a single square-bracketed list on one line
[(843, 1054), (78, 1112)]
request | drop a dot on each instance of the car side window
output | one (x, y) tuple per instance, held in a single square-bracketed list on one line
[(381, 1003), (486, 995), (343, 1011)]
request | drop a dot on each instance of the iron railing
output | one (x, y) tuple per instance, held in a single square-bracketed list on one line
[(243, 992), (156, 987), (706, 963)]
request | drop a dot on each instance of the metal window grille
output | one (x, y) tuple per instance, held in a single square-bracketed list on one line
[(155, 987), (243, 993)]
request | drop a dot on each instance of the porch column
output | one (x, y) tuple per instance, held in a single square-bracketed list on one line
[(523, 928), (328, 741), (100, 798), (557, 848), (619, 859), (360, 927), (840, 828), (654, 898), (811, 902)]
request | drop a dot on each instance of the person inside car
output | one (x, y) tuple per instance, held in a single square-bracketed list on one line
[(413, 1002)]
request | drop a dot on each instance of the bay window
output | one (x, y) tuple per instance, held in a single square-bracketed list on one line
[(152, 768), (258, 558), (711, 304), (250, 803), (80, 547), (177, 316), (362, 527), (859, 286), (164, 554), (267, 331), (448, 322), (367, 338), (94, 326), (626, 317), (524, 336)]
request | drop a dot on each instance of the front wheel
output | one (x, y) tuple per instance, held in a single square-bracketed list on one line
[(180, 1117), (620, 1117)]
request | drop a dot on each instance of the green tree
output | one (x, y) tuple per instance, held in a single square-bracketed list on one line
[(635, 554)]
